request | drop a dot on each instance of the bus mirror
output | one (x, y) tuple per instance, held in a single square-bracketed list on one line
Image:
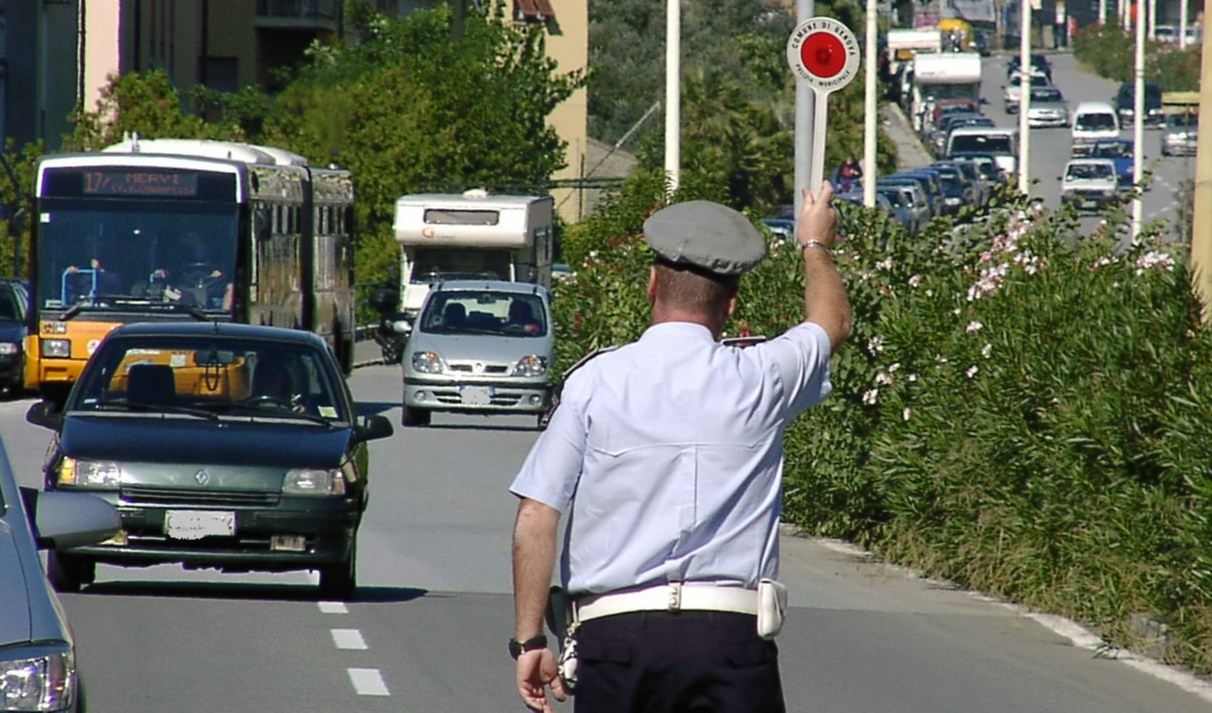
[(261, 223)]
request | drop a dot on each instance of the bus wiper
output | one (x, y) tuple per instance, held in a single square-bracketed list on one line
[(128, 302)]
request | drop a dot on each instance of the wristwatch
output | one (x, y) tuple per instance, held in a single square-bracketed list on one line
[(517, 648)]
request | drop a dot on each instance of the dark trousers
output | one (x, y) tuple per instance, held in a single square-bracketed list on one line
[(683, 662)]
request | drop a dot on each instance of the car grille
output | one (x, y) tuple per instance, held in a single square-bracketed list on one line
[(487, 368), (150, 495)]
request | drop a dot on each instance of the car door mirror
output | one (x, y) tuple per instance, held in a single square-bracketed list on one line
[(63, 520), (373, 427), (45, 414)]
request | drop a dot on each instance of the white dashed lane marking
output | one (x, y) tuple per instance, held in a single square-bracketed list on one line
[(368, 682), (349, 640), (333, 608)]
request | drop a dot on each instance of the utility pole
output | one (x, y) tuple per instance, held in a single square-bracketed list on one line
[(1138, 125), (1201, 227), (673, 95), (804, 103), (1024, 96), (869, 136)]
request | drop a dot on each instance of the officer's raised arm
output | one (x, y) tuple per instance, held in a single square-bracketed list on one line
[(825, 300)]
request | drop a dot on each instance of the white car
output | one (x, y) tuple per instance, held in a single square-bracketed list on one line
[(1089, 183), (1012, 92), (1048, 108)]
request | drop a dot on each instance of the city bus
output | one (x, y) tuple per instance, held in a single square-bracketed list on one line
[(182, 229)]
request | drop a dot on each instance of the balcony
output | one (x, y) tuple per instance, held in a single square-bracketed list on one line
[(299, 14)]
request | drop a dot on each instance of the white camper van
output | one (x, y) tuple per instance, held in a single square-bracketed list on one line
[(471, 235)]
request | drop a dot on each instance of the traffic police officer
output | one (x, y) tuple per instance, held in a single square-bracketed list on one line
[(668, 455)]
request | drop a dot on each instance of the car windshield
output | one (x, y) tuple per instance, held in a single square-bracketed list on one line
[(208, 376), (893, 197), (1046, 95), (1094, 122), (1089, 171), (1111, 149), (517, 314)]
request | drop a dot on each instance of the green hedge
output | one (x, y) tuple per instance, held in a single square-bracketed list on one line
[(1020, 409), (1111, 53)]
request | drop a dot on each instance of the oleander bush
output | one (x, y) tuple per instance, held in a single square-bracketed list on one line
[(1021, 409), (1111, 52)]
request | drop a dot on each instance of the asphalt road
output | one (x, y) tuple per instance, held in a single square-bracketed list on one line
[(428, 629), (1050, 147)]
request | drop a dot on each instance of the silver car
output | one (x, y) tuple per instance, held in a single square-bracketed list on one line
[(1048, 108), (479, 346), (37, 652), (1180, 134)]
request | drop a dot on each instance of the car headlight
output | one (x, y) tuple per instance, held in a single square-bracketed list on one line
[(38, 678), (313, 481), (427, 362), (90, 473), (952, 201), (9, 348), (56, 348), (531, 365)]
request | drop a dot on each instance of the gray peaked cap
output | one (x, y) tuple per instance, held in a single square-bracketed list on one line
[(707, 236)]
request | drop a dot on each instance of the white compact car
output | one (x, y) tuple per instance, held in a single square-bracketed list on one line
[(1089, 183), (1093, 121)]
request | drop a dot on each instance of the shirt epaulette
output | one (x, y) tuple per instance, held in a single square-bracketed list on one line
[(559, 388)]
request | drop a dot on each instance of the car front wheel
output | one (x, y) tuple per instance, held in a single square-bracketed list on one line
[(67, 573), (339, 580)]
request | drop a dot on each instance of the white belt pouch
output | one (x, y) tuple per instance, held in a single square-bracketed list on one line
[(772, 605)]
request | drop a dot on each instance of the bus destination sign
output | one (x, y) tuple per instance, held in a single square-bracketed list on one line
[(140, 182)]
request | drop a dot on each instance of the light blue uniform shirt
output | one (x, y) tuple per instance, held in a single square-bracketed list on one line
[(670, 452)]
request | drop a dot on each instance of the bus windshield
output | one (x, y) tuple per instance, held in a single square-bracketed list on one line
[(107, 251), (431, 265)]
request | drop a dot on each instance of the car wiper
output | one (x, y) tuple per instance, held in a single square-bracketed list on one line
[(162, 408), (251, 410)]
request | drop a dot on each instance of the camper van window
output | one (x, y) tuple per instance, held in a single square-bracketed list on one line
[(445, 216), (433, 264)]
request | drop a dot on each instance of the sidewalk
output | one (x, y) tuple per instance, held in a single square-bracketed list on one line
[(910, 153)]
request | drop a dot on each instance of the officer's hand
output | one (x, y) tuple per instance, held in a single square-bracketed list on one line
[(536, 671), (818, 220)]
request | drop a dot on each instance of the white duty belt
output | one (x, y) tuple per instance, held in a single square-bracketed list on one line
[(675, 596)]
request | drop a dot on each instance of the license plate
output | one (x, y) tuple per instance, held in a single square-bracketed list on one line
[(196, 524), (476, 395)]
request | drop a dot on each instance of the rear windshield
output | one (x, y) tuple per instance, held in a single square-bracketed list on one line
[(983, 143)]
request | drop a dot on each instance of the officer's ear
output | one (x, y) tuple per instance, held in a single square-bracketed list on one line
[(652, 284), (731, 305)]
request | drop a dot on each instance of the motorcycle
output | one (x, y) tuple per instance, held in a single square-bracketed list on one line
[(392, 336), (392, 332)]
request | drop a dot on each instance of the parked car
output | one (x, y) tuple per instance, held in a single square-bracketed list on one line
[(1125, 105), (780, 228), (980, 191), (14, 305), (37, 651), (914, 197), (1089, 183), (480, 346), (223, 446), (1048, 108), (952, 122), (1121, 154), (1180, 134)]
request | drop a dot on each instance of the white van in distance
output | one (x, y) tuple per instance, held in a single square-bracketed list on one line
[(1093, 121)]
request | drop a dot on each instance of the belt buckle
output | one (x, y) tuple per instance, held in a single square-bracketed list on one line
[(675, 596)]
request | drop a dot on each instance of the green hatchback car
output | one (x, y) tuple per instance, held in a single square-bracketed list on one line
[(222, 446)]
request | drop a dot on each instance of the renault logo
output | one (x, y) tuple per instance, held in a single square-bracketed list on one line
[(202, 477)]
